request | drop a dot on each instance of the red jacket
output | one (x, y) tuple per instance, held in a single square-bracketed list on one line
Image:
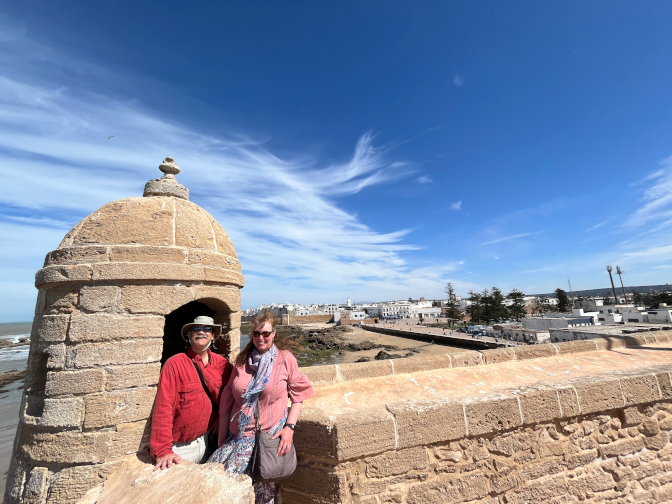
[(182, 410)]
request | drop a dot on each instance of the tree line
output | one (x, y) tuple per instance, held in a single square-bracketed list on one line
[(491, 306)]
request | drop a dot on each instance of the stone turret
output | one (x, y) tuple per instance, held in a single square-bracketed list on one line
[(111, 301)]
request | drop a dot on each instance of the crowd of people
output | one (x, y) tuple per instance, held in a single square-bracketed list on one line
[(209, 410)]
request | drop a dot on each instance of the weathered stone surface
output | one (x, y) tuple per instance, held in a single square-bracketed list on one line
[(65, 412), (16, 478), (622, 447), (132, 375), (427, 422), (118, 407), (609, 342), (223, 276), (576, 346), (192, 227), (512, 443), (320, 375), (147, 271), (329, 486), (365, 434), (539, 469), (539, 404), (60, 274), (449, 489), (161, 299), (121, 352), (218, 298), (36, 486), (665, 384), (219, 260), (598, 395), (497, 355), (147, 221), (88, 381), (55, 356), (424, 363), (130, 438), (314, 434), (640, 389), (99, 298), (224, 244), (538, 491), (77, 255), (397, 462), (361, 370), (64, 447), (107, 327), (61, 299), (133, 480), (491, 413), (71, 483), (466, 359), (144, 254), (569, 400), (49, 328), (631, 415), (581, 459), (534, 352)]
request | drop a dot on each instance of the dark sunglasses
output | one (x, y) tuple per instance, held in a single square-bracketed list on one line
[(198, 328), (259, 334)]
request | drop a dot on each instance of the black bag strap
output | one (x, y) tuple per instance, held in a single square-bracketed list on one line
[(205, 388), (256, 415)]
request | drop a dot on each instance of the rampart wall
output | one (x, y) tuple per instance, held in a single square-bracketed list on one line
[(585, 421)]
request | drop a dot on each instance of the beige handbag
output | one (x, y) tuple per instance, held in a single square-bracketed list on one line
[(267, 467)]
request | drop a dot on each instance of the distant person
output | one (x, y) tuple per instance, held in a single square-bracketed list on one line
[(184, 416), (267, 375)]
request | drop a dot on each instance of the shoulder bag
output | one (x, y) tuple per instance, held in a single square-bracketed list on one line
[(267, 467), (212, 435)]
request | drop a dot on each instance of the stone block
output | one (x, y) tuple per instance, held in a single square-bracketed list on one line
[(61, 299), (362, 370), (640, 389), (107, 327), (542, 490), (569, 400), (609, 342), (631, 416), (234, 320), (192, 228), (576, 346), (657, 442), (581, 459), (99, 298), (77, 255), (665, 383), (324, 484), (367, 433), (121, 352), (147, 271), (501, 485), (598, 395), (509, 444), (622, 447), (224, 276), (36, 486), (314, 434), (534, 352), (491, 413), (118, 407), (497, 355), (71, 483), (51, 328), (145, 254), (129, 221), (424, 422), (397, 462), (132, 375), (161, 299), (539, 404), (88, 381), (661, 337), (129, 438), (60, 274), (224, 244), (539, 469), (64, 447), (448, 489), (55, 356), (634, 339), (229, 296), (16, 479), (206, 258), (466, 359), (425, 363), (65, 412), (320, 375)]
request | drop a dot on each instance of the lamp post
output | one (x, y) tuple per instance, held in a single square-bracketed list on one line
[(612, 285)]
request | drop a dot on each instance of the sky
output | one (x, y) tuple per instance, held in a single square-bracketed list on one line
[(375, 150)]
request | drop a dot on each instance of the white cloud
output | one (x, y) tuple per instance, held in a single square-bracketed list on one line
[(657, 197), (510, 237), (456, 206), (425, 179), (458, 80), (596, 226)]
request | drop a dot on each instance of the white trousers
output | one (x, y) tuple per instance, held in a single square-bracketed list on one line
[(196, 451)]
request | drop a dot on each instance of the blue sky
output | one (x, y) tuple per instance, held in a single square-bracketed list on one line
[(368, 149)]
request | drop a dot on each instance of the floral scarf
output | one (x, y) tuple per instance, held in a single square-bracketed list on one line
[(262, 365)]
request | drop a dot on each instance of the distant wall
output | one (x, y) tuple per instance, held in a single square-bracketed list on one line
[(307, 319)]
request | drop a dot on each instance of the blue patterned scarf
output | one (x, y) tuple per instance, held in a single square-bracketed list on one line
[(262, 365)]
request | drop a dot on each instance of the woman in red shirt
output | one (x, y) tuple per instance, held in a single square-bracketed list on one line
[(268, 373)]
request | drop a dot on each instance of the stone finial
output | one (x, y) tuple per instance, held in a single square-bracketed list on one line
[(167, 185)]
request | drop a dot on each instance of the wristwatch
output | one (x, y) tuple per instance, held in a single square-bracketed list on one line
[(290, 425)]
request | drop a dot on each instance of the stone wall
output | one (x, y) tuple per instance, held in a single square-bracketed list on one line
[(309, 319)]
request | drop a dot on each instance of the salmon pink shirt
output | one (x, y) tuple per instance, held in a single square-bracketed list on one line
[(286, 382)]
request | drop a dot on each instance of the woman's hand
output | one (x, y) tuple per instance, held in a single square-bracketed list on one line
[(286, 435)]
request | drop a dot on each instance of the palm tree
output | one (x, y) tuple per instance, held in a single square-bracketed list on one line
[(619, 272), (612, 285)]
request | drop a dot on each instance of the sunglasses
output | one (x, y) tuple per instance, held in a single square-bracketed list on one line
[(260, 334), (198, 328)]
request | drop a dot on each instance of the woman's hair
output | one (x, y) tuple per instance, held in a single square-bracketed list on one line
[(265, 316)]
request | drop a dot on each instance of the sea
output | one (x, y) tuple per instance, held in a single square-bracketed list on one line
[(16, 358)]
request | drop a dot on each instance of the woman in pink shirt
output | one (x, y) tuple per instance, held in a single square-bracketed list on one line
[(268, 373)]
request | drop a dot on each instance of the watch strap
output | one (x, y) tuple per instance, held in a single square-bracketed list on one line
[(290, 425)]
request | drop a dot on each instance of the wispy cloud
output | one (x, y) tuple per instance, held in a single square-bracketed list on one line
[(456, 206), (596, 226), (425, 179), (657, 197), (511, 237), (458, 80)]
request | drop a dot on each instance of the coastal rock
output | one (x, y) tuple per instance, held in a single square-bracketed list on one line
[(134, 480)]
